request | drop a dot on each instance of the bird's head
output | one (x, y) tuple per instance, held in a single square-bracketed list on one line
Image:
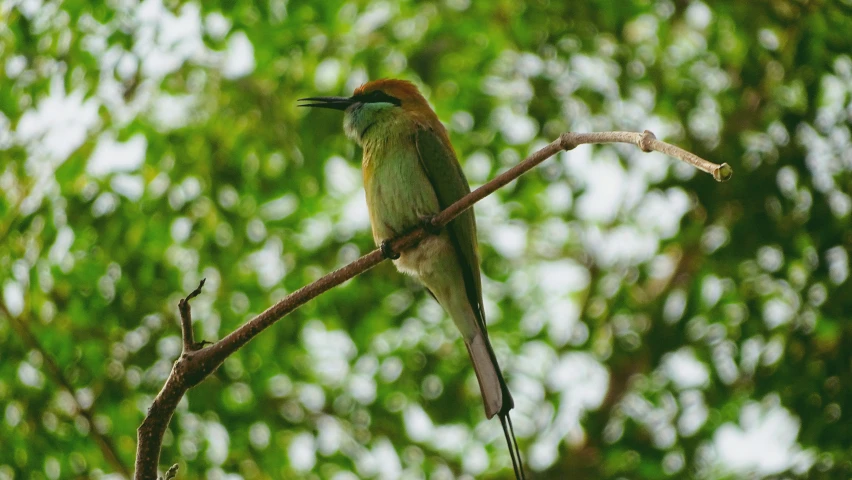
[(378, 107)]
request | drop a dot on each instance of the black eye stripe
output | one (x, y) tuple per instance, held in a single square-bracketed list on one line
[(377, 96)]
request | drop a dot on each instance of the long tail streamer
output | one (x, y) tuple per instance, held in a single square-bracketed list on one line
[(514, 451)]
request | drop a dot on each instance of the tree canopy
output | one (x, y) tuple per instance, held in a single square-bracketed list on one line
[(651, 322)]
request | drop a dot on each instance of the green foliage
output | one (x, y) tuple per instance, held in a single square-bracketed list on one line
[(652, 323)]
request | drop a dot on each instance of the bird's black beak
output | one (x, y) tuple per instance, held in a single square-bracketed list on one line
[(334, 103)]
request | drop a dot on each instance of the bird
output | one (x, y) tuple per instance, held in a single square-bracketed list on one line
[(411, 173)]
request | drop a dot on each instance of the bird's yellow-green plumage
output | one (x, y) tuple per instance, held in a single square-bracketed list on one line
[(410, 172)]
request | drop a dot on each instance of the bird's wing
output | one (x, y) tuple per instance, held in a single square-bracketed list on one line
[(447, 179)]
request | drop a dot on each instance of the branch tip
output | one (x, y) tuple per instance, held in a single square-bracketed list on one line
[(723, 173), (197, 290), (171, 473)]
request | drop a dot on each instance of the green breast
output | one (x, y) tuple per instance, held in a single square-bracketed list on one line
[(398, 191)]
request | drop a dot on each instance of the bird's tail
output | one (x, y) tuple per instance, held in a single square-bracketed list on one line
[(495, 394)]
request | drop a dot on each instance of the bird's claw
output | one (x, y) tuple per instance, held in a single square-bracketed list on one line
[(427, 222), (387, 250)]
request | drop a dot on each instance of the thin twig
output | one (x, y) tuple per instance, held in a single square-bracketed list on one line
[(186, 318), (194, 365), (171, 473), (648, 142)]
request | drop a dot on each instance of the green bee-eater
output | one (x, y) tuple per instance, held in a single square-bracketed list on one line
[(410, 174)]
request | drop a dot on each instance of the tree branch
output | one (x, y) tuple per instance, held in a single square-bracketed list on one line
[(196, 364)]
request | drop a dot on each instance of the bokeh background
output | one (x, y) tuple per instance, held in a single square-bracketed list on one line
[(653, 323)]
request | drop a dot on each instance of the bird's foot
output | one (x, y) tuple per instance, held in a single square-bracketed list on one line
[(387, 250), (428, 224)]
